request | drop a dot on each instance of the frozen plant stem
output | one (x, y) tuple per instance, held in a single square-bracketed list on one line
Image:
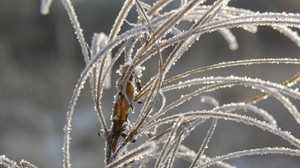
[(165, 128)]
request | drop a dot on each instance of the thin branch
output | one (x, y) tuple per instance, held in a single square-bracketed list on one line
[(250, 152), (78, 31), (289, 82), (120, 19), (207, 138), (133, 155)]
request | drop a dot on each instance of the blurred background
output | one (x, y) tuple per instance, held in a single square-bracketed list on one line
[(40, 63)]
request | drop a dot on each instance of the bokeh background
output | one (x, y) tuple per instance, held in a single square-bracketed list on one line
[(40, 62)]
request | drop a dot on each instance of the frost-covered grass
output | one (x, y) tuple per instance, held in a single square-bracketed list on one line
[(158, 36)]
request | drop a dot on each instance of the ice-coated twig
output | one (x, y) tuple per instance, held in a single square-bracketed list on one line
[(289, 82), (230, 38), (230, 64), (135, 154), (157, 6), (182, 100), (273, 89), (235, 63), (205, 142), (163, 29), (7, 162), (242, 106), (79, 86), (210, 13), (120, 19), (26, 164), (99, 41), (260, 19), (209, 100), (174, 149), (188, 155), (255, 83), (250, 152), (195, 115), (78, 31), (292, 35), (163, 155)]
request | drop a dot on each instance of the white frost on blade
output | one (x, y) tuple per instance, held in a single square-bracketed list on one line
[(224, 13), (254, 83), (257, 19), (242, 106), (230, 38), (120, 19), (290, 106), (188, 155), (78, 31), (273, 89), (212, 11), (187, 97), (26, 164), (99, 41), (236, 63), (168, 144), (45, 6), (133, 155), (7, 162), (250, 152), (210, 100), (248, 121), (164, 100), (292, 35), (81, 81), (205, 142), (203, 115)]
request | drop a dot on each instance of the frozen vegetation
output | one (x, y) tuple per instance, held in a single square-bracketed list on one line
[(156, 136)]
